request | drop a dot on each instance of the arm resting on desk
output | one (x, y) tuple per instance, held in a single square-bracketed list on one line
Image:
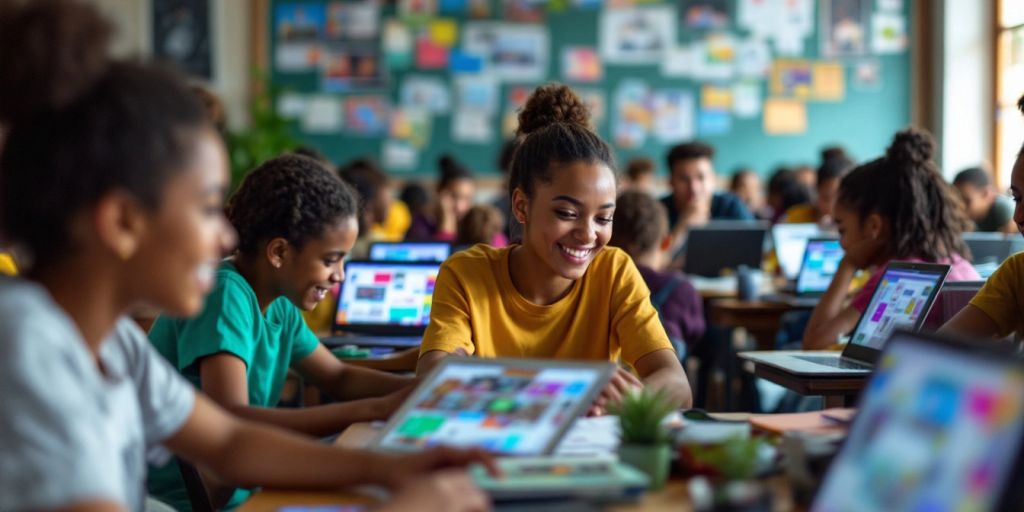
[(661, 370), (345, 381)]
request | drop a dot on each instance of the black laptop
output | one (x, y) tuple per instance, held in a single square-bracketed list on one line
[(721, 245)]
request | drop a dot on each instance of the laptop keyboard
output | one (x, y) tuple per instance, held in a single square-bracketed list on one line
[(834, 362)]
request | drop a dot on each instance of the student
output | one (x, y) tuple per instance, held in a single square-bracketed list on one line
[(561, 293), (7, 265), (134, 218), (834, 165), (641, 229), (693, 200), (785, 191), (296, 221), (455, 191), (990, 210), (481, 225), (640, 175), (896, 207), (374, 190), (746, 185), (998, 308)]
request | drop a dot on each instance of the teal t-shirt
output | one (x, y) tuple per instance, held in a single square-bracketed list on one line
[(231, 322)]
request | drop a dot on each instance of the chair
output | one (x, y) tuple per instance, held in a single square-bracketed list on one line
[(953, 297), (197, 494)]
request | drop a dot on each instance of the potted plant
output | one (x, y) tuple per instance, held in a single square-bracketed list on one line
[(645, 442)]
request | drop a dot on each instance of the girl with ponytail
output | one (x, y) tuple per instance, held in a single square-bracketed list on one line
[(896, 207), (560, 293)]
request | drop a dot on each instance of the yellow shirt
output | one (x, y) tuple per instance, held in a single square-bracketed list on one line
[(394, 226), (7, 266), (1001, 296), (800, 214), (606, 315)]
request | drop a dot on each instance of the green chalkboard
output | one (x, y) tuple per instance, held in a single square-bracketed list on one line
[(863, 121)]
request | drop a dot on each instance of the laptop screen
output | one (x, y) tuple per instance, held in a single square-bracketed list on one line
[(938, 428), (898, 302), (410, 251), (386, 293), (790, 240), (509, 406), (821, 260)]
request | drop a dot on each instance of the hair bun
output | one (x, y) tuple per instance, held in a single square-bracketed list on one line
[(51, 52), (912, 146), (550, 104)]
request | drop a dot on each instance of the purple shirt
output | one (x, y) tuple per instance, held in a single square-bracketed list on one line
[(682, 314)]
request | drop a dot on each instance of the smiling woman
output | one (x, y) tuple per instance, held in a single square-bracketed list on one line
[(561, 293)]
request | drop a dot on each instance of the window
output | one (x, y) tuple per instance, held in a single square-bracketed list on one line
[(1009, 86)]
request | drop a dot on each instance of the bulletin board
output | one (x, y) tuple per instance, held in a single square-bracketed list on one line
[(767, 82)]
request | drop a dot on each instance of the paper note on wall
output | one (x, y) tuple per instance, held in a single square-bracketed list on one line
[(828, 82), (785, 116)]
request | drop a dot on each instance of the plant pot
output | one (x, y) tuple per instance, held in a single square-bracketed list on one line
[(653, 460)]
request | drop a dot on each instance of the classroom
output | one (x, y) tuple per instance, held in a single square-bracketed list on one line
[(472, 255)]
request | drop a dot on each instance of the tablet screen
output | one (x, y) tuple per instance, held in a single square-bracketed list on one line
[(519, 410)]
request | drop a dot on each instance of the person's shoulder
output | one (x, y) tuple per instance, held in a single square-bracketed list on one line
[(478, 256), (726, 205), (27, 306), (800, 213), (612, 261), (1002, 208)]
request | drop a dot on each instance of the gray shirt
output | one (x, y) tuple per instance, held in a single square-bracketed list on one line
[(68, 432), (998, 215)]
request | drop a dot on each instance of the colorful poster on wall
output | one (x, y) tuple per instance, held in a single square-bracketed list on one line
[(411, 125), (345, 67), (512, 53), (595, 101), (452, 6), (323, 115), (673, 115), (828, 82), (888, 34), (366, 115), (461, 62), (633, 116), (785, 116), (844, 27), (430, 55), (399, 156), (523, 11), (753, 58), (398, 45), (353, 20), (426, 92), (705, 14), (581, 64), (298, 27), (477, 93), (712, 123), (714, 97), (791, 78), (443, 32), (678, 62), (867, 75), (417, 11), (746, 99), (470, 126), (291, 104), (641, 35)]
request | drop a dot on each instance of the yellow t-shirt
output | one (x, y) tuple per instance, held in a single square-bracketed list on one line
[(7, 266), (1001, 296), (800, 214), (607, 314), (394, 226)]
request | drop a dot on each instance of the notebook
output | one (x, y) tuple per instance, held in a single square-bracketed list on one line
[(902, 299), (940, 427), (509, 406), (384, 303), (410, 251)]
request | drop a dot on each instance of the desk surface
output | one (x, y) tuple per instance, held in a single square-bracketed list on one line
[(674, 497)]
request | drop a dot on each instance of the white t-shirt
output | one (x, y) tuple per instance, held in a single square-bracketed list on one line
[(68, 432)]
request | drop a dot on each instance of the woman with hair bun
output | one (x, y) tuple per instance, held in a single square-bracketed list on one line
[(560, 293), (896, 207), (111, 187)]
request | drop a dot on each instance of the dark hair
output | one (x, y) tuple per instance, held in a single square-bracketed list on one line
[(830, 152), (738, 176), (479, 225), (834, 164), (450, 171), (364, 175), (780, 180), (640, 222), (688, 151), (1020, 106), (554, 127), (214, 106), (508, 148), (415, 196), (638, 167), (80, 125), (293, 197), (975, 176), (905, 186), (315, 154)]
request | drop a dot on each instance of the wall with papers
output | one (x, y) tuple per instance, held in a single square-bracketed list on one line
[(768, 82)]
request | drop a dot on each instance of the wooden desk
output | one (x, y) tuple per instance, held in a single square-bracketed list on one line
[(835, 390), (760, 318), (674, 497)]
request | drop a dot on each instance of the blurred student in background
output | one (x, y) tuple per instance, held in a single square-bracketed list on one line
[(990, 210)]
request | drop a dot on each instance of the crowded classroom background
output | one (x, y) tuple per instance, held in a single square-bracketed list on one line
[(467, 255)]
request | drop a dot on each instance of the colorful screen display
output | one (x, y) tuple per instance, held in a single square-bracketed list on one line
[(898, 302), (821, 261), (936, 431), (386, 294), (500, 408), (413, 251)]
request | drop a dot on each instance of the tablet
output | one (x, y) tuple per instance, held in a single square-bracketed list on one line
[(507, 406)]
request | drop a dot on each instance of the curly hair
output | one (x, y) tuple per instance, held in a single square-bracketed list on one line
[(640, 223), (554, 129), (80, 125), (292, 197), (688, 151), (905, 187)]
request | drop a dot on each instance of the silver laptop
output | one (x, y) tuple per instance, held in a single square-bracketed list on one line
[(820, 262), (410, 251), (384, 303), (902, 299), (790, 242)]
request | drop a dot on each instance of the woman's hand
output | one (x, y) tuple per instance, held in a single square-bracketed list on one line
[(622, 382)]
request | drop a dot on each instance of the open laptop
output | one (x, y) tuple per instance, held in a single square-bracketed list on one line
[(820, 262), (410, 251), (940, 426), (384, 303), (790, 243), (989, 250), (721, 245), (903, 297), (509, 406)]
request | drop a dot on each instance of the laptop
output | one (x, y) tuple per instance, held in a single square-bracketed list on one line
[(721, 245), (410, 251), (384, 303), (790, 243), (902, 298), (519, 407), (820, 262), (940, 426), (989, 250)]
